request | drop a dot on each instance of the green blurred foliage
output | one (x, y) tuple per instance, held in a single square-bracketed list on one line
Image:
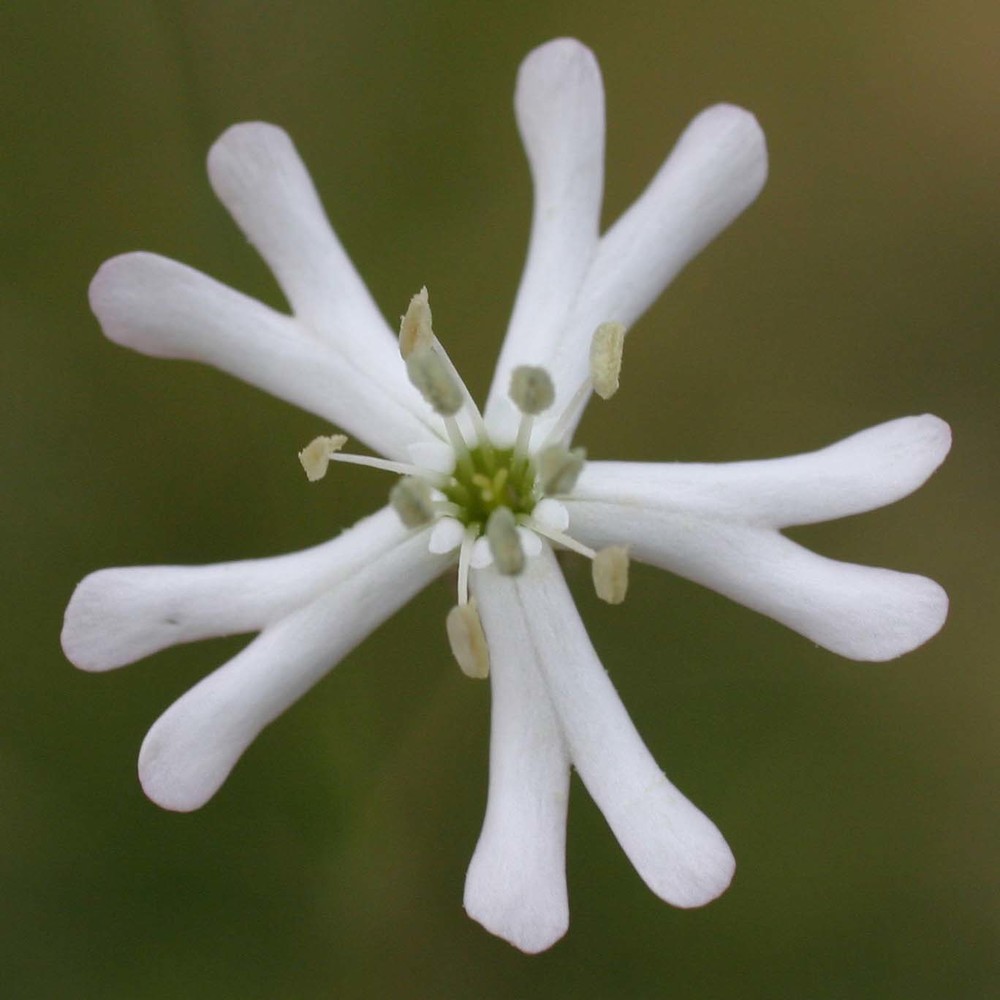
[(860, 800)]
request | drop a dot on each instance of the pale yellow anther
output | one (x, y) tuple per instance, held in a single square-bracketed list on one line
[(501, 534), (430, 373), (558, 468), (531, 389), (468, 640), (415, 329), (610, 570), (491, 488), (606, 358), (411, 499), (315, 456)]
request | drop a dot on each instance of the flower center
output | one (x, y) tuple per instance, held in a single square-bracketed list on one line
[(491, 478), (494, 505)]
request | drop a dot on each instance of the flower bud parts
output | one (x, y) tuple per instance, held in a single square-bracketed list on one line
[(606, 358), (315, 456), (558, 468), (415, 328), (411, 499), (468, 641), (610, 570), (531, 389), (501, 534), (430, 373)]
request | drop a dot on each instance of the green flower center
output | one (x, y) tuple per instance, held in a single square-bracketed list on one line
[(488, 478)]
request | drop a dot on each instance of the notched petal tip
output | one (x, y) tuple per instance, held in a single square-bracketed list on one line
[(158, 306), (556, 58), (173, 780), (931, 435), (530, 932), (115, 280), (88, 637), (916, 610), (735, 136), (675, 848), (246, 146), (707, 882)]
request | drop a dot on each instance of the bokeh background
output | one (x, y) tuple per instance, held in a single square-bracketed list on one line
[(860, 800)]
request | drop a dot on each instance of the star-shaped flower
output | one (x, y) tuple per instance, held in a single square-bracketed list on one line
[(494, 494)]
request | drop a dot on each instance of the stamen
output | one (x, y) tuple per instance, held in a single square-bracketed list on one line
[(464, 557), (606, 358), (501, 534), (459, 445), (468, 640), (532, 392), (429, 373), (415, 328), (411, 499), (610, 571), (438, 479), (482, 438), (606, 348), (558, 468), (559, 537), (315, 456), (416, 333), (433, 374), (531, 389)]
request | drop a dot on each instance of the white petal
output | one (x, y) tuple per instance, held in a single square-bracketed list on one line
[(446, 536), (482, 555), (435, 456), (193, 746), (713, 173), (516, 883), (118, 616), (168, 310), (551, 514), (857, 611), (531, 544), (502, 421), (258, 175), (867, 470), (560, 111), (674, 847)]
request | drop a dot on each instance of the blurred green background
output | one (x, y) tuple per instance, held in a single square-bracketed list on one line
[(861, 800)]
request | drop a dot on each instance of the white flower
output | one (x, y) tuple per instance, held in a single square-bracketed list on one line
[(553, 704)]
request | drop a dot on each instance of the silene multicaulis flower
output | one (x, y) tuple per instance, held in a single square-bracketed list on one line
[(496, 494)]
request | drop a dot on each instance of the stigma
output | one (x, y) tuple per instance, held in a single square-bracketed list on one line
[(490, 504)]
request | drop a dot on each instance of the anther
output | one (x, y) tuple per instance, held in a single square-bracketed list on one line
[(315, 456), (431, 375), (501, 534), (532, 392), (531, 389), (468, 640), (610, 572), (558, 468), (605, 366), (606, 358), (411, 499), (415, 329)]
